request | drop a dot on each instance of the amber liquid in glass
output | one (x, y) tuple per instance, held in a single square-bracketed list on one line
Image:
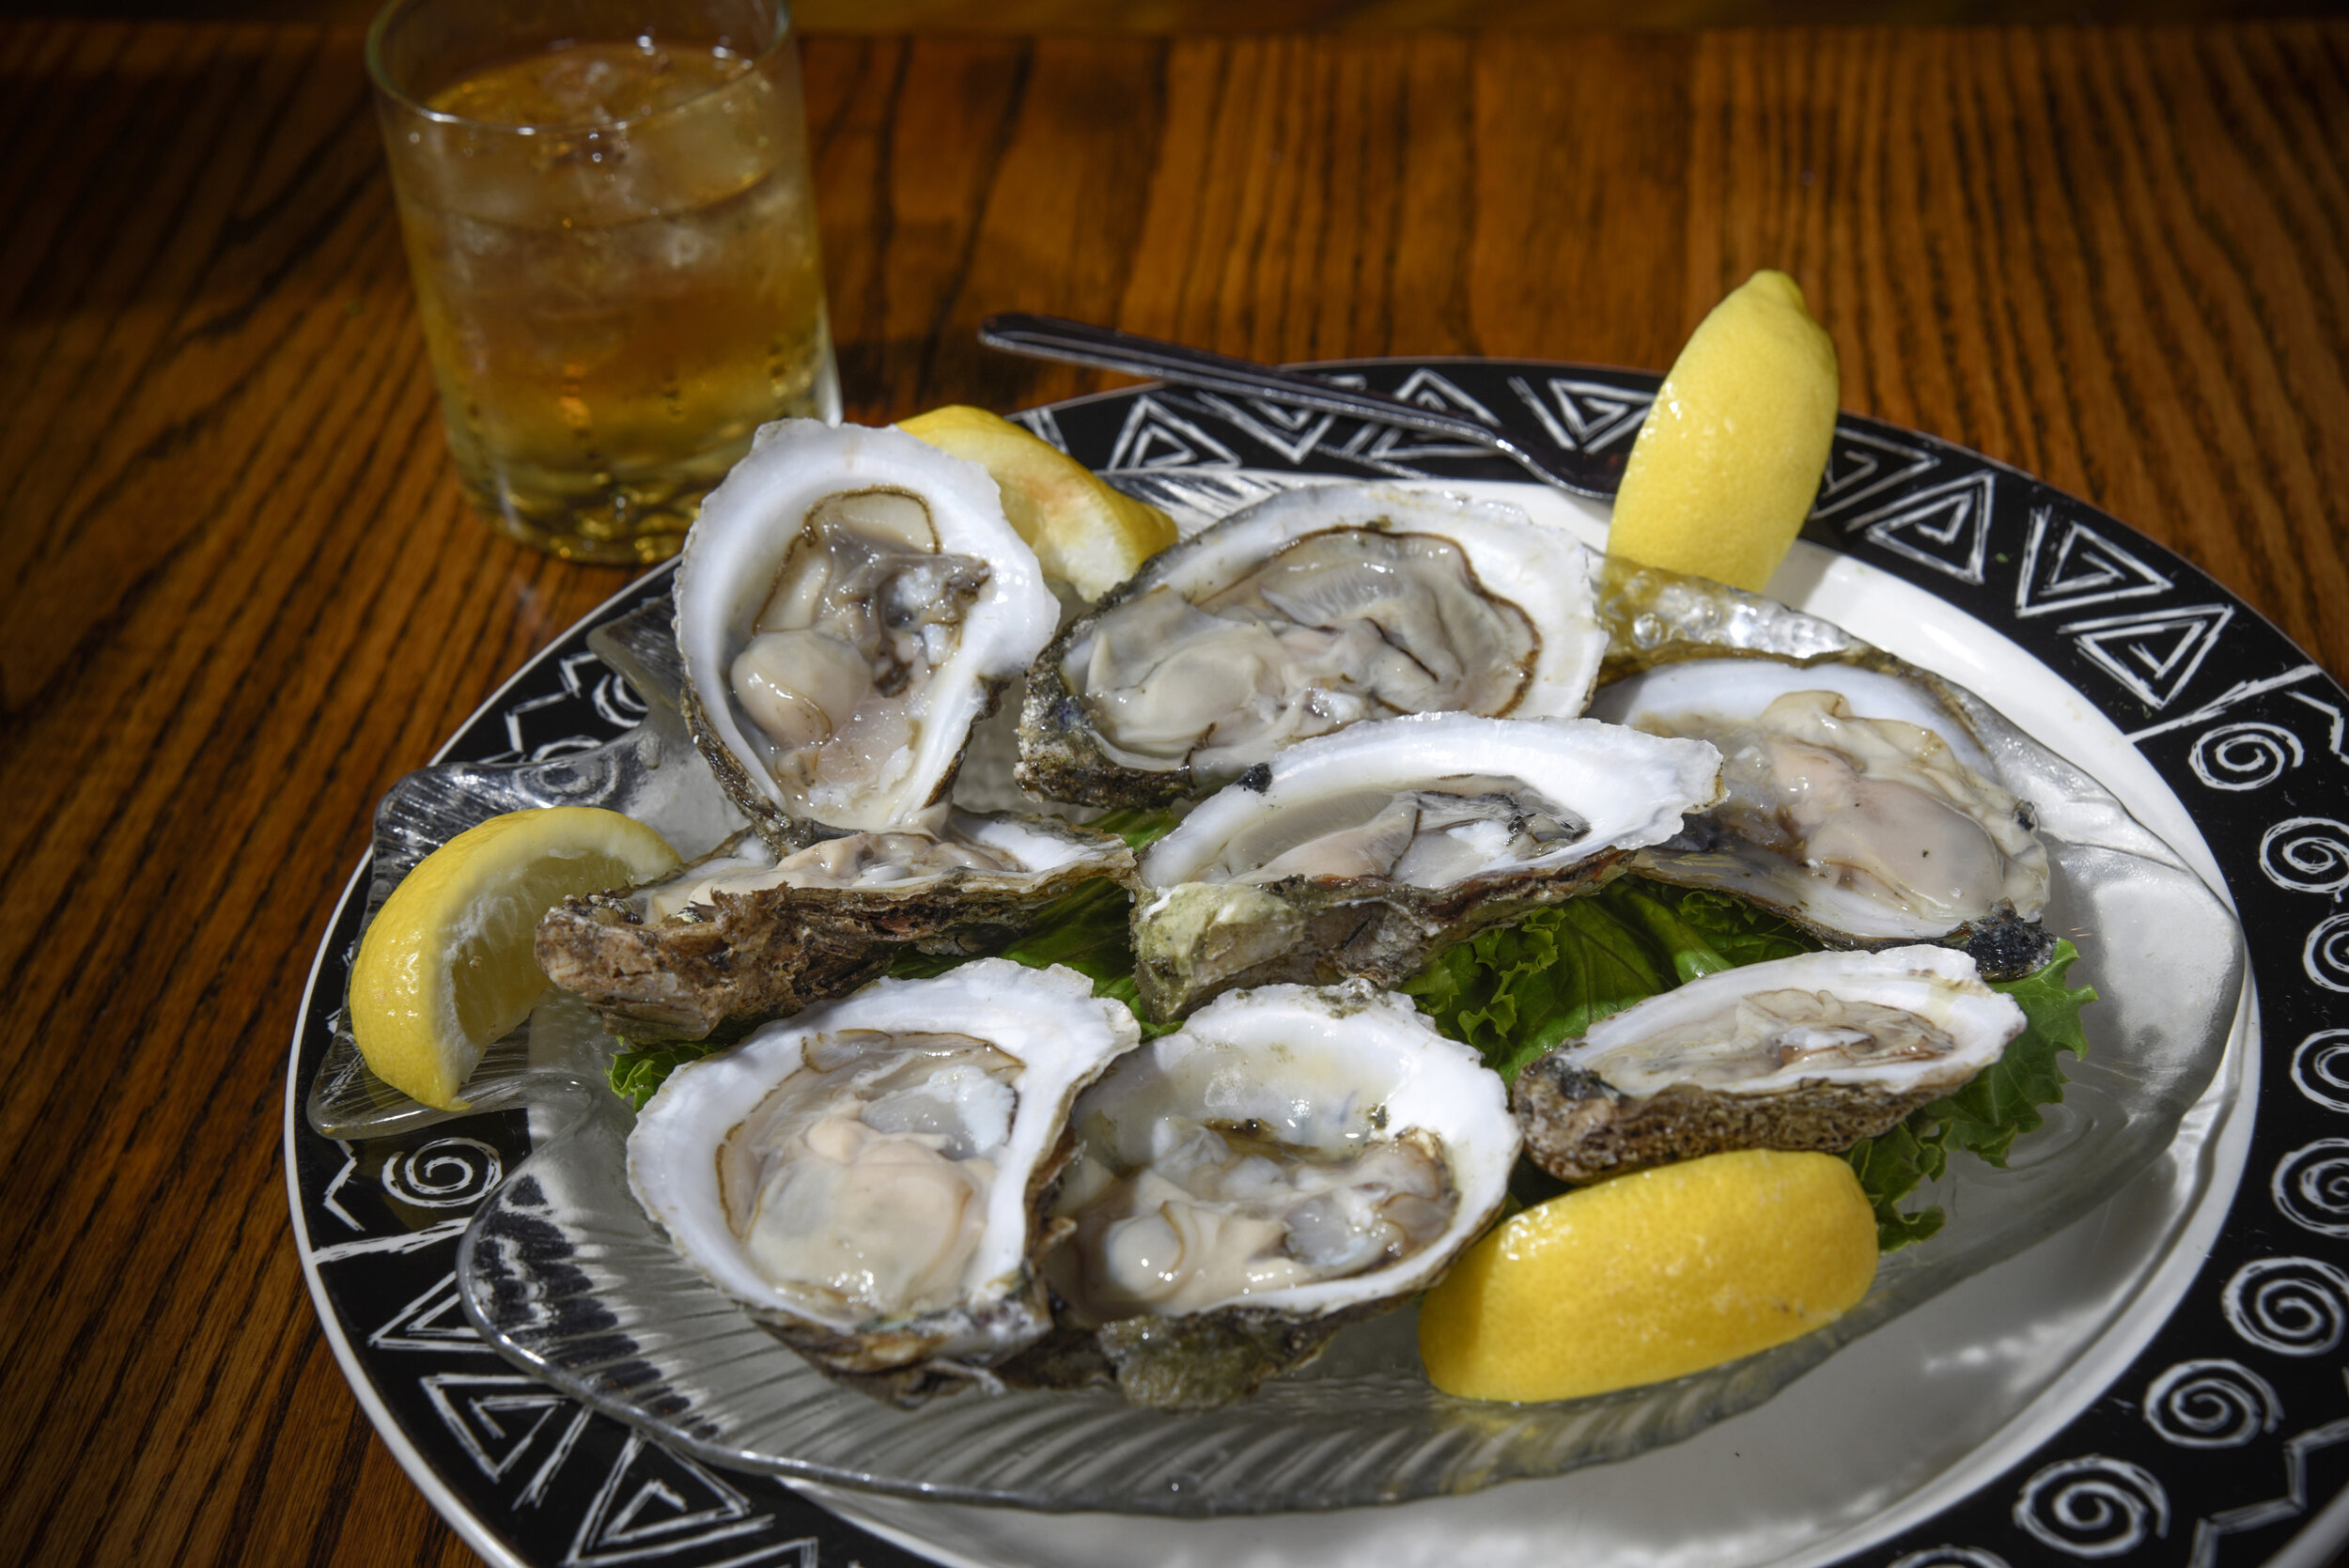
[(618, 298)]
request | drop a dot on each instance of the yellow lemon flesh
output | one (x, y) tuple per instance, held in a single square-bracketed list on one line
[(1651, 1275), (447, 966), (1729, 458), (1087, 533)]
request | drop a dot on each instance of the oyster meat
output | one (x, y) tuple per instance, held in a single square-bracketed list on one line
[(848, 604), (1308, 612), (1294, 1160), (1856, 803), (1813, 1052), (744, 934), (868, 1180), (1362, 853)]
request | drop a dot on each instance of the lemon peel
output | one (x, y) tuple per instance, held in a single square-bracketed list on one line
[(446, 967), (1729, 457), (1651, 1275), (1084, 532)]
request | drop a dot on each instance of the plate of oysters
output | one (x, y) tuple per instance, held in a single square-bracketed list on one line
[(1364, 1027)]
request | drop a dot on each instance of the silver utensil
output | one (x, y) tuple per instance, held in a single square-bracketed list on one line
[(1053, 337)]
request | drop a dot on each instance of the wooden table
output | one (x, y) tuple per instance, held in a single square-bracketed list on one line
[(241, 594)]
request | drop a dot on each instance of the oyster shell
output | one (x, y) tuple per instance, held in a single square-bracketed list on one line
[(811, 907), (1362, 853), (1861, 800), (1811, 1052), (1855, 803), (744, 934), (1313, 609), (1292, 1160), (848, 602), (868, 1180)]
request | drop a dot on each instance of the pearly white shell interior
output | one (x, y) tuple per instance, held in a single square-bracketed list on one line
[(1049, 1020), (737, 544), (1317, 1066), (1632, 788)]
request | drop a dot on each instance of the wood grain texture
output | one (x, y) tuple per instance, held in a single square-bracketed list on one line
[(1176, 18), (238, 595)]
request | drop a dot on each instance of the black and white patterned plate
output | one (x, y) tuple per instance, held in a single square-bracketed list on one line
[(2222, 1439)]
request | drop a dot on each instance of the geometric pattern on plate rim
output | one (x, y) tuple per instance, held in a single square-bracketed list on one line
[(2248, 731)]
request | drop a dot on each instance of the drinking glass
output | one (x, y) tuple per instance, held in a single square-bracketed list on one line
[(608, 220)]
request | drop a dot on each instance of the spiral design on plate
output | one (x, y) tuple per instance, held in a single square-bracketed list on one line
[(2311, 1187), (2325, 956), (2307, 854), (1950, 1557), (618, 703), (2292, 1306), (2320, 1068), (2215, 1404), (2092, 1506), (446, 1173), (2249, 755)]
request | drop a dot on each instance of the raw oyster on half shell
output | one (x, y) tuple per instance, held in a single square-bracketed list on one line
[(847, 604), (744, 934), (868, 1180), (1308, 612), (1813, 1052), (1359, 853), (1291, 1162), (1855, 803), (1864, 798)]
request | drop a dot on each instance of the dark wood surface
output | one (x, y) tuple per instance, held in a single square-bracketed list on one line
[(238, 595), (1181, 17)]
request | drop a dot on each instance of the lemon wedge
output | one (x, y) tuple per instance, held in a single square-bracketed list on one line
[(1651, 1275), (446, 968), (1087, 533), (1729, 457)]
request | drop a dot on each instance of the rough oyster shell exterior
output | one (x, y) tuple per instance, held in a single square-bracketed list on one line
[(1194, 939), (1546, 575), (745, 957), (1582, 1126)]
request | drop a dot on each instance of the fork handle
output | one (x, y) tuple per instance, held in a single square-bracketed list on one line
[(1053, 337)]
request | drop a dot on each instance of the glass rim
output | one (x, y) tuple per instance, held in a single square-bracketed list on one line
[(381, 78)]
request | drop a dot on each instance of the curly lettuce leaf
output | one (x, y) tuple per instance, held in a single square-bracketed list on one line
[(1740, 933), (1516, 992), (1678, 942), (1985, 1117), (1513, 992), (1891, 1166), (1140, 827), (637, 1071), (1084, 930), (1087, 930)]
